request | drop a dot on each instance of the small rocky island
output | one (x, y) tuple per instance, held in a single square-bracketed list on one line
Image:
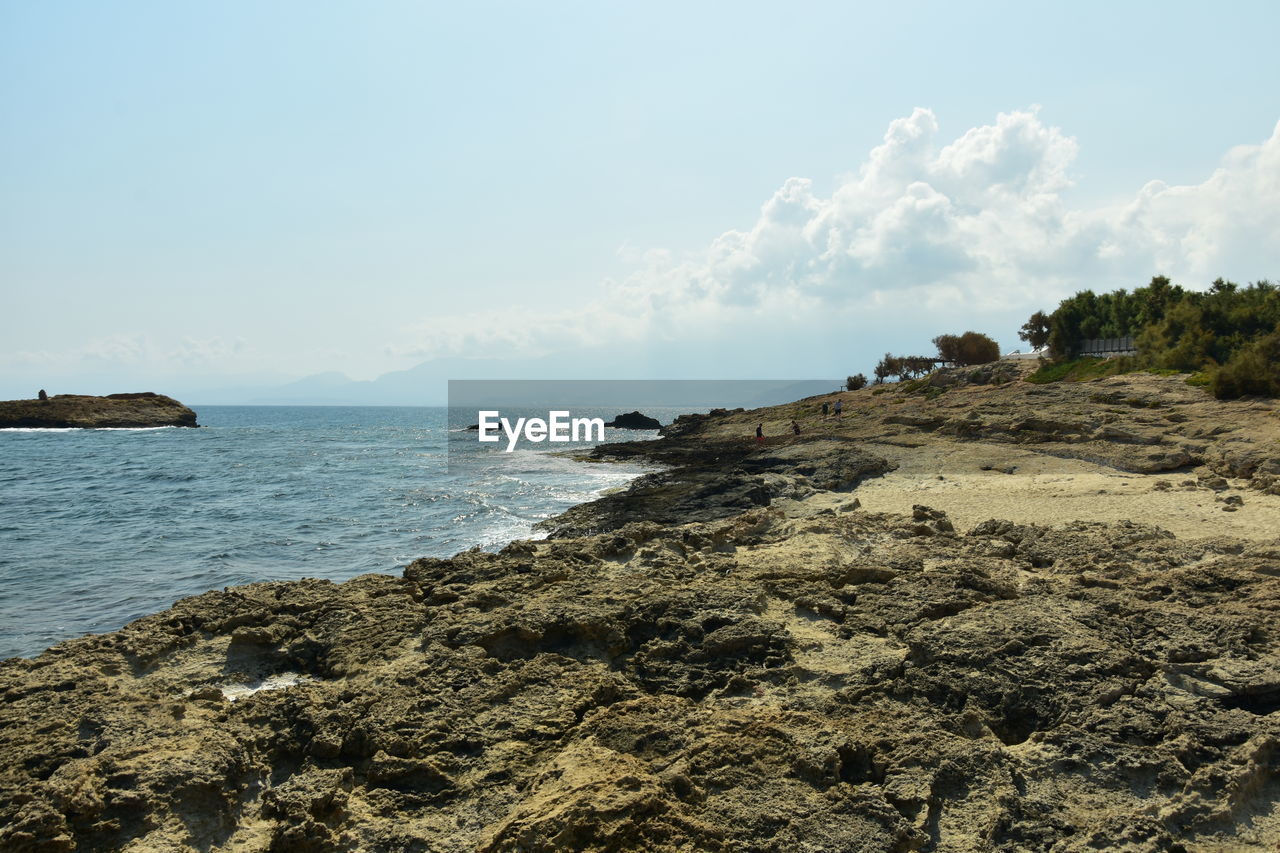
[(72, 411), (634, 420)]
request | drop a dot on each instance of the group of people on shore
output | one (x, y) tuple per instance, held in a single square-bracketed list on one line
[(827, 411)]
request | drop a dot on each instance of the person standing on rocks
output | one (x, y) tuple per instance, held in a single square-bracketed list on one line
[(760, 434), (839, 407), (795, 427), (825, 407)]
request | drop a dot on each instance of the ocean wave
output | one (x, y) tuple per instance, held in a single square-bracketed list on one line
[(87, 429), (259, 494)]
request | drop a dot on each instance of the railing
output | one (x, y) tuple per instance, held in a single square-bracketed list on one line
[(1107, 347)]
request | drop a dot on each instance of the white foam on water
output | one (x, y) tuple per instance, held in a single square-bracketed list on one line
[(87, 429)]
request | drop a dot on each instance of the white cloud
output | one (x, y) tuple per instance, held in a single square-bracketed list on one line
[(125, 350), (927, 227), (113, 349), (216, 350), (1233, 214), (925, 224)]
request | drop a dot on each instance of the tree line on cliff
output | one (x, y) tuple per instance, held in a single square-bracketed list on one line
[(962, 350), (1229, 334)]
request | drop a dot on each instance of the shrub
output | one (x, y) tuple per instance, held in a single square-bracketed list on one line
[(948, 347), (967, 349), (1254, 369), (853, 383), (1080, 369), (911, 386), (1179, 341)]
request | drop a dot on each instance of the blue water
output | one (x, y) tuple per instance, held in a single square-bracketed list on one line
[(99, 527)]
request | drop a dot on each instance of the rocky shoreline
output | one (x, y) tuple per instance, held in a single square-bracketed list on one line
[(953, 619), (80, 411)]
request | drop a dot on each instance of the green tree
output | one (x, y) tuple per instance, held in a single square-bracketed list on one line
[(902, 366), (886, 368), (948, 348), (967, 349), (916, 365), (1253, 369), (1224, 329), (1036, 330), (1179, 341)]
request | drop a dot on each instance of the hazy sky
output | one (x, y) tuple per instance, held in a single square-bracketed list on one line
[(228, 191)]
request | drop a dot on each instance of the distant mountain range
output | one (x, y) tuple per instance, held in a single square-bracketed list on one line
[(512, 383)]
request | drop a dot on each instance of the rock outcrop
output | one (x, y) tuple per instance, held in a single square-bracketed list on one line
[(79, 411), (634, 420), (716, 479), (732, 655)]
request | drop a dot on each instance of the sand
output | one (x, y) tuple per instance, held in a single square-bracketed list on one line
[(1046, 489)]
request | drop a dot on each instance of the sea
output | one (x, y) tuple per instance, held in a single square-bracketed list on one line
[(100, 527)]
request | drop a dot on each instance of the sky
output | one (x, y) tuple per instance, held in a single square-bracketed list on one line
[(229, 195)]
